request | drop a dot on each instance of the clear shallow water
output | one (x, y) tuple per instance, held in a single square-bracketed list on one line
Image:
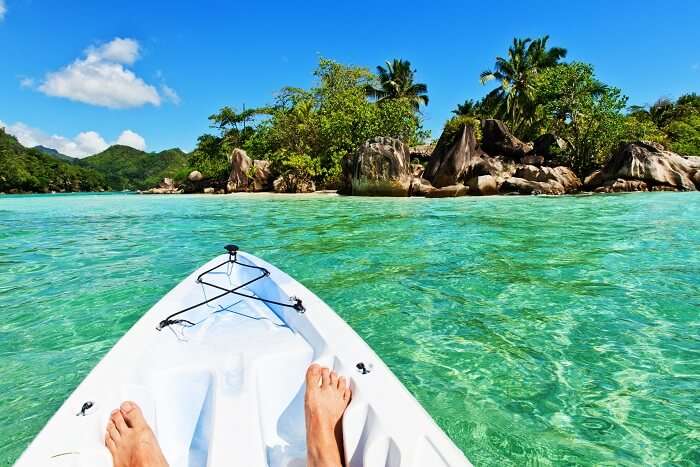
[(535, 330)]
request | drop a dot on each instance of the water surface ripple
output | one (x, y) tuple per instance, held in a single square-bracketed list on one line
[(536, 330)]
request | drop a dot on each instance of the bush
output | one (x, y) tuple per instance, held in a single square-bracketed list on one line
[(454, 124)]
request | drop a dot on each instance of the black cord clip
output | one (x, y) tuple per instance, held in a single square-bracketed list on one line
[(298, 305), (86, 406)]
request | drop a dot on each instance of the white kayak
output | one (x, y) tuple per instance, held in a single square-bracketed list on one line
[(222, 384)]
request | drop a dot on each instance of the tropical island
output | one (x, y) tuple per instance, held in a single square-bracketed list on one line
[(548, 127)]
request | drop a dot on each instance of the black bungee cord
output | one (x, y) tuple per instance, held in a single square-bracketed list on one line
[(232, 260)]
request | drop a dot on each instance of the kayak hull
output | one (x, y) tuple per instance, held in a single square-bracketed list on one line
[(228, 391)]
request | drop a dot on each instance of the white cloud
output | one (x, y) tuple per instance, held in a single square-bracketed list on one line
[(3, 9), (119, 50), (101, 78), (170, 94), (26, 82), (129, 138), (83, 144)]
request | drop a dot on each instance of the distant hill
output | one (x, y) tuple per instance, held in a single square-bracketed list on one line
[(127, 168), (55, 154), (31, 170)]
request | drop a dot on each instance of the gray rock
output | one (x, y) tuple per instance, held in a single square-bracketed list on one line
[(380, 167), (497, 140), (420, 187), (550, 145), (452, 156), (290, 183), (448, 191), (483, 185), (241, 166), (421, 152), (195, 176), (529, 179), (533, 159), (247, 174), (620, 184), (647, 162)]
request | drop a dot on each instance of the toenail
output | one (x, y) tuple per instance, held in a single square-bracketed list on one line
[(126, 406)]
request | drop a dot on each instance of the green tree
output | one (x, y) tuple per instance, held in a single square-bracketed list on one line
[(516, 74), (30, 170), (660, 113), (676, 124), (583, 111), (320, 126), (396, 81)]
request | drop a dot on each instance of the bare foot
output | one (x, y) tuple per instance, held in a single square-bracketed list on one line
[(327, 397), (131, 441)]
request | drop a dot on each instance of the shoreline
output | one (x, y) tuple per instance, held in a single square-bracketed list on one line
[(324, 194)]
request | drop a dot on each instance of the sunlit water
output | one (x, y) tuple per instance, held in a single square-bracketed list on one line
[(535, 330)]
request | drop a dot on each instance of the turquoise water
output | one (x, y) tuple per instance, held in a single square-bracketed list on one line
[(537, 331)]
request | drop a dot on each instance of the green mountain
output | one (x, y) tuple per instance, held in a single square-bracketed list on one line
[(30, 170), (127, 168), (55, 154)]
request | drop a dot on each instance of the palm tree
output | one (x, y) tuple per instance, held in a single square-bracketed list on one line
[(516, 73), (469, 107), (661, 113), (396, 82)]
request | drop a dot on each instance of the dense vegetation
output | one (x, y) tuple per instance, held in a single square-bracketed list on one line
[(126, 168), (537, 93), (30, 170), (677, 124), (55, 154), (307, 132), (117, 168)]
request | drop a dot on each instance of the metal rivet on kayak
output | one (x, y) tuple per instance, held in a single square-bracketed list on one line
[(86, 406), (362, 368)]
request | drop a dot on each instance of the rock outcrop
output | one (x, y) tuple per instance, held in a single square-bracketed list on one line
[(645, 166), (483, 185), (381, 167), (165, 187), (459, 166), (291, 183), (247, 174), (531, 180), (452, 156), (549, 146), (195, 176), (458, 161), (497, 140), (421, 153), (450, 191)]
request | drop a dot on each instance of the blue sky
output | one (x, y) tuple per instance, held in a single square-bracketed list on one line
[(81, 75)]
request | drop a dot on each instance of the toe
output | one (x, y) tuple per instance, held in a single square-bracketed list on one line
[(325, 377), (132, 415), (334, 379), (119, 422), (342, 384), (109, 442), (313, 375), (113, 432), (347, 395)]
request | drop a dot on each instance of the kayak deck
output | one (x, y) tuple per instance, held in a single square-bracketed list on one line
[(226, 388), (245, 402)]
